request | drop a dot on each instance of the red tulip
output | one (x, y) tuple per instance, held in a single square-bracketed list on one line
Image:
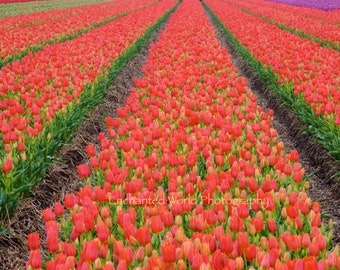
[(292, 211), (168, 252), (34, 241), (90, 251), (168, 218), (35, 259), (242, 210), (258, 224), (310, 263), (58, 209), (102, 231), (84, 170), (250, 252), (313, 249), (226, 244), (156, 224), (91, 151), (7, 166), (292, 242), (219, 260), (143, 235), (271, 225), (242, 239), (52, 243), (126, 255)]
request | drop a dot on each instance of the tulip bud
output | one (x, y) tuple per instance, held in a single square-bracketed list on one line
[(111, 239), (181, 265), (305, 240), (330, 224), (307, 185), (97, 264), (239, 263), (178, 220), (179, 253), (286, 257), (284, 212), (139, 254), (180, 235), (197, 243), (154, 253), (251, 229), (132, 240), (148, 249), (205, 250), (264, 242), (237, 192)]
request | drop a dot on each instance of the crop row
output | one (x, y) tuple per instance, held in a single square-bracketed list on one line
[(17, 9), (326, 16), (30, 20), (320, 30), (47, 94), (30, 33), (303, 73), (191, 175), (325, 5)]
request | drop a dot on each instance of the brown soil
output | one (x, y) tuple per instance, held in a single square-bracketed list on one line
[(316, 160), (62, 177)]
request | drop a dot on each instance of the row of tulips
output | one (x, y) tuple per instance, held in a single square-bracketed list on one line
[(21, 8), (190, 176), (30, 33), (326, 5), (29, 20), (303, 73), (327, 33), (45, 96)]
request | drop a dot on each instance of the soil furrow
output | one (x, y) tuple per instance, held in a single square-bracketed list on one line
[(318, 163)]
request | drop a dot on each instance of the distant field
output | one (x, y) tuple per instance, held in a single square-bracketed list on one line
[(13, 8)]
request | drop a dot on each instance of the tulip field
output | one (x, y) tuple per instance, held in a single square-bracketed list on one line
[(190, 173), (16, 7)]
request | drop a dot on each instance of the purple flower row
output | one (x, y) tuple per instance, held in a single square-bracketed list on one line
[(326, 5)]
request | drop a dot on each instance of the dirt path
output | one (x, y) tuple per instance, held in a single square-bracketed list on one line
[(315, 159)]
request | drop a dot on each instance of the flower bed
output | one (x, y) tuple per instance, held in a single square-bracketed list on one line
[(314, 27), (303, 73), (22, 34), (45, 96), (327, 5), (21, 8)]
